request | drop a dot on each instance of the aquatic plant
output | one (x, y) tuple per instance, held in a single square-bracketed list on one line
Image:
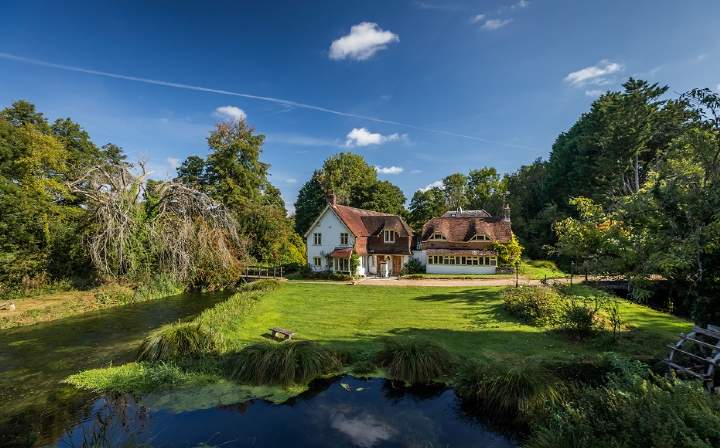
[(283, 364), (507, 391), (182, 339), (415, 361)]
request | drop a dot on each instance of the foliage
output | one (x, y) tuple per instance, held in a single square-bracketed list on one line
[(425, 205), (161, 285), (353, 182), (578, 317), (414, 266), (486, 190), (179, 340), (354, 264), (635, 408), (415, 361), (509, 253), (535, 305), (502, 391), (264, 285), (283, 364)]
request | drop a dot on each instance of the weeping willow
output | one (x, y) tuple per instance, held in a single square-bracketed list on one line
[(184, 233)]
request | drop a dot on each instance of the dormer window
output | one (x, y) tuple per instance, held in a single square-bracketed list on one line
[(437, 236), (389, 236), (480, 237), (344, 239)]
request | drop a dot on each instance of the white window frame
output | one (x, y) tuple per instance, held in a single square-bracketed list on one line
[(436, 236), (389, 236), (344, 239), (317, 239), (317, 262), (480, 237)]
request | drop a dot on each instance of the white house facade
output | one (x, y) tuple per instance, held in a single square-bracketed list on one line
[(381, 241)]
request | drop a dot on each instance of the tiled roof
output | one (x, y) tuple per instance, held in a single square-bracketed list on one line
[(343, 252), (368, 226), (458, 229)]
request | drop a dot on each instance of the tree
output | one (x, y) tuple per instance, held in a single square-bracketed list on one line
[(192, 171), (310, 203), (486, 190), (455, 187), (382, 196), (425, 205), (508, 253), (346, 175)]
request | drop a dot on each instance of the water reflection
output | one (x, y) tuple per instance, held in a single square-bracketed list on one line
[(344, 412)]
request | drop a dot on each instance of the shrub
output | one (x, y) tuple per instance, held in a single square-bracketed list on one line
[(578, 317), (633, 409), (535, 305), (177, 340), (113, 294), (508, 392), (414, 266), (265, 285), (415, 361), (283, 364), (160, 286)]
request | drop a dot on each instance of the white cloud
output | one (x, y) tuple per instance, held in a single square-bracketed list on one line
[(231, 112), (389, 169), (364, 430), (415, 171), (363, 137), (436, 184), (718, 88), (495, 24), (477, 18), (521, 4), (701, 57), (594, 93), (173, 162), (290, 180), (365, 39), (594, 74)]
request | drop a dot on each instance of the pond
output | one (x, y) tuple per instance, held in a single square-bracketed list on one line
[(343, 412), (37, 410)]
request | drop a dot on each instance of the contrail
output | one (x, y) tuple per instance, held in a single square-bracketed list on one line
[(284, 102)]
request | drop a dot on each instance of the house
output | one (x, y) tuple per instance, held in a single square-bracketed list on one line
[(461, 242), (382, 241)]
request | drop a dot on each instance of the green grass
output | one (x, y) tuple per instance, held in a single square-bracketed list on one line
[(540, 269), (455, 276), (471, 323)]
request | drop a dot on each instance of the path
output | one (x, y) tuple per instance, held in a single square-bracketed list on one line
[(372, 281)]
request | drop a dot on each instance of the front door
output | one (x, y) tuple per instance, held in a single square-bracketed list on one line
[(397, 264)]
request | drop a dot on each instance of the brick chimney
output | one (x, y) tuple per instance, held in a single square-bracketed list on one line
[(332, 199), (506, 212)]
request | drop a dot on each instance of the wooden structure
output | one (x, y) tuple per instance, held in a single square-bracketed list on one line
[(281, 333), (262, 272), (697, 355)]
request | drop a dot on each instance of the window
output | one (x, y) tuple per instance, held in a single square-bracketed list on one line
[(389, 236), (317, 261), (436, 236), (344, 239), (342, 264), (482, 237), (317, 239)]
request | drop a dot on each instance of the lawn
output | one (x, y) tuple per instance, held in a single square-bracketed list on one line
[(532, 269), (468, 321)]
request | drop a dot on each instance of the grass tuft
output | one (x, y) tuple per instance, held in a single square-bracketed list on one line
[(508, 392), (182, 339), (265, 285), (283, 364), (415, 361)]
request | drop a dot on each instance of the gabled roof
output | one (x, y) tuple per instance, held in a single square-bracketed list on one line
[(463, 228), (367, 222)]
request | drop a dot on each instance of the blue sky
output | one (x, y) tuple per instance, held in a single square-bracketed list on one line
[(448, 86)]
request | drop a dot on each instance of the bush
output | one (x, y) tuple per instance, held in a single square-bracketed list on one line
[(160, 286), (535, 305), (633, 409), (508, 392), (579, 317), (113, 294), (282, 364), (265, 285), (414, 266), (177, 340), (415, 361)]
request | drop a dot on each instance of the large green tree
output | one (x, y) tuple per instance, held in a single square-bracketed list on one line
[(486, 190)]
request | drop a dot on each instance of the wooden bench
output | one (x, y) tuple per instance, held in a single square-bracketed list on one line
[(282, 333)]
